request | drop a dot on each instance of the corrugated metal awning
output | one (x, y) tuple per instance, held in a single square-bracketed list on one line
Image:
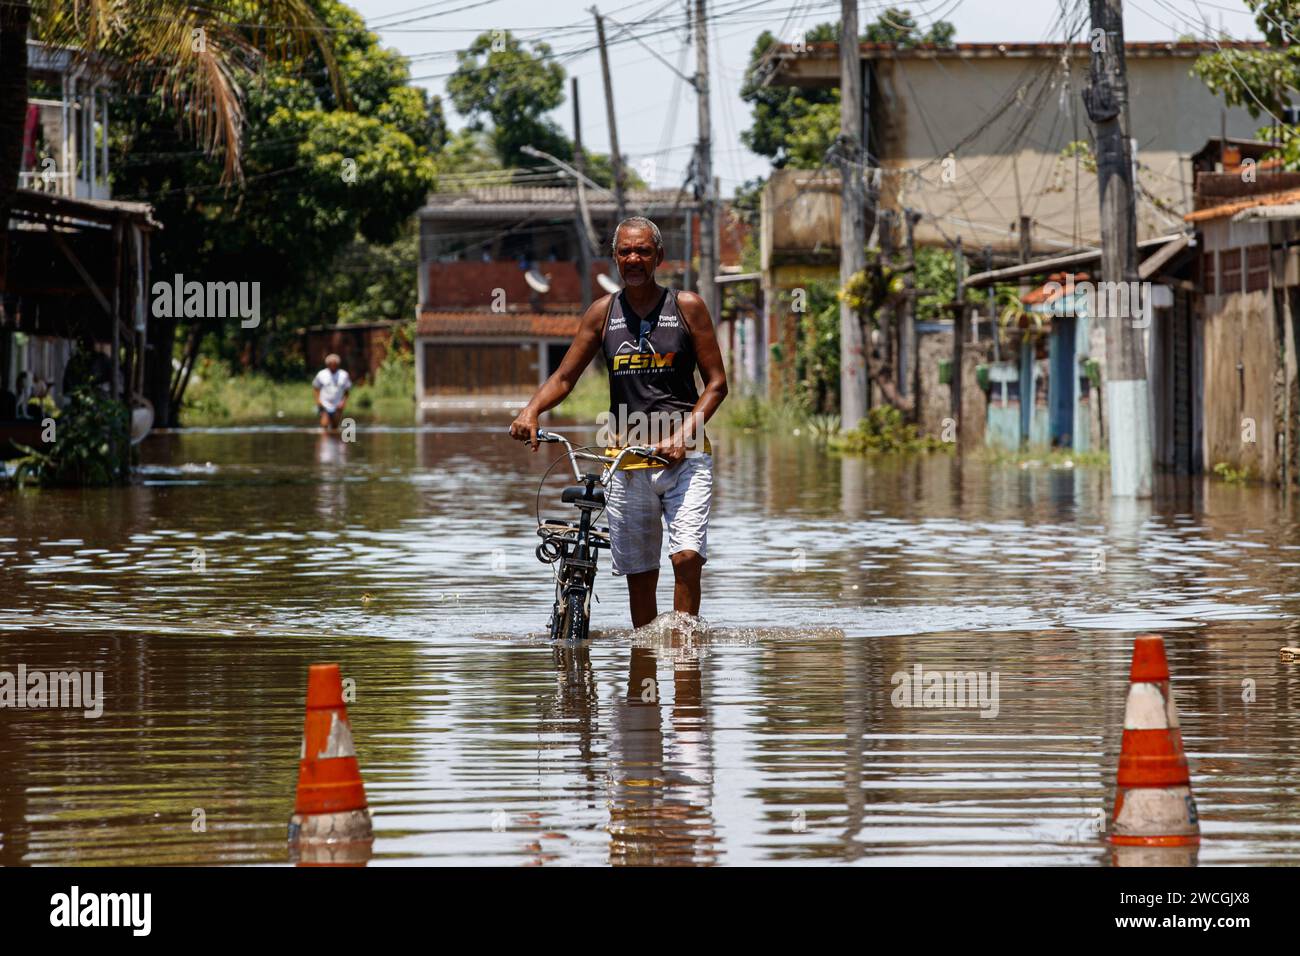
[(1286, 211)]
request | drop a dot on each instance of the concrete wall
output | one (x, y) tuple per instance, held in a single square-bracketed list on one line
[(936, 399), (1007, 163), (800, 214)]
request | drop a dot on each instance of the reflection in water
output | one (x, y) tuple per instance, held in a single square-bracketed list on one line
[(767, 736), (661, 804)]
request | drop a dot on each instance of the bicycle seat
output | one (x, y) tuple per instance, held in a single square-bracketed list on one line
[(579, 493)]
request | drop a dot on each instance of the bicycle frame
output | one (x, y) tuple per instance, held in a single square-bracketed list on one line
[(577, 548)]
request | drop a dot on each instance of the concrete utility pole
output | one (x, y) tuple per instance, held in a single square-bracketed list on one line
[(580, 219), (853, 219), (615, 157), (1128, 399), (704, 167), (958, 336)]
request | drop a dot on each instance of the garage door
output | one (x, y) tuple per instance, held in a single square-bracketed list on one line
[(486, 369)]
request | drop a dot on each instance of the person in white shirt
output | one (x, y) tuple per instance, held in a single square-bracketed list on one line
[(331, 386)]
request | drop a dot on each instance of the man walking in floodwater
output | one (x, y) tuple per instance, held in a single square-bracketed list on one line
[(331, 386), (653, 339)]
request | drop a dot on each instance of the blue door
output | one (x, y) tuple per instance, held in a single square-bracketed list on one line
[(1062, 381)]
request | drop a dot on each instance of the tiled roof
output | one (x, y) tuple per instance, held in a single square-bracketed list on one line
[(508, 324), (1045, 295), (1240, 205)]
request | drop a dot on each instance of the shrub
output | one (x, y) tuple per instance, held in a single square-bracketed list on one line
[(882, 429), (91, 438)]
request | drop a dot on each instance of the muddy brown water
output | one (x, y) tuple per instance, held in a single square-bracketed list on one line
[(768, 733)]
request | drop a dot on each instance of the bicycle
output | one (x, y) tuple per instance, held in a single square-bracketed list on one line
[(577, 546)]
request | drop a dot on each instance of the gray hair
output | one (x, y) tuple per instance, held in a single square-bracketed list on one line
[(643, 223)]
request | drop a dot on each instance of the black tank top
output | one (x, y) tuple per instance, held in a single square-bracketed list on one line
[(654, 372)]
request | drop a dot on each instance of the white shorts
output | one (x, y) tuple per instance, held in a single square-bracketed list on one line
[(639, 500)]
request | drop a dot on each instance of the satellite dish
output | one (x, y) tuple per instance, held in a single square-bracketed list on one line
[(537, 282), (607, 283)]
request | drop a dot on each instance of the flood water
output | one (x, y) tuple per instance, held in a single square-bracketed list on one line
[(766, 734)]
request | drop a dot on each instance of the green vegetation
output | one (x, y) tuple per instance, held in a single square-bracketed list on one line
[(1262, 81), (329, 174), (91, 436), (217, 397), (882, 429), (332, 150), (1047, 458), (817, 352), (1233, 476), (751, 413), (1259, 80)]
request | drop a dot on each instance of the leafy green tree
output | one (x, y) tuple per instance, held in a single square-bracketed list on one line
[(899, 27), (190, 55), (1262, 81), (319, 171), (787, 119), (506, 89), (372, 282)]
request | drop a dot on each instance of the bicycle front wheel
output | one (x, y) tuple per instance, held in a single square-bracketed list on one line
[(575, 624)]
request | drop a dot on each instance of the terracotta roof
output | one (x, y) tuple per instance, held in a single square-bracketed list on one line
[(557, 325), (1240, 205), (1045, 295)]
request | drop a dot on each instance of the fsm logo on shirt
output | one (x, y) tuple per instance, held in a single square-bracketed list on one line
[(638, 361)]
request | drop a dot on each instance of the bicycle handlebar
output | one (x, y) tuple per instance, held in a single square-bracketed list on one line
[(645, 451)]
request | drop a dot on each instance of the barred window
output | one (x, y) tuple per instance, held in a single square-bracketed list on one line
[(1209, 274)]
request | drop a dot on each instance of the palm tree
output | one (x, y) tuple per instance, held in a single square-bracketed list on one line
[(196, 53)]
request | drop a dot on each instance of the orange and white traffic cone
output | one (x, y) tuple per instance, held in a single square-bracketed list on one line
[(331, 805), (1153, 805)]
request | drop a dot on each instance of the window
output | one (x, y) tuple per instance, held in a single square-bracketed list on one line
[(1230, 263), (1208, 273), (1257, 268)]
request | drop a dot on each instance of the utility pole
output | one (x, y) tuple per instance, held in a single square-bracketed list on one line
[(888, 319), (704, 167), (908, 366), (1128, 399), (992, 292), (958, 336), (690, 252), (580, 220), (615, 157), (853, 219)]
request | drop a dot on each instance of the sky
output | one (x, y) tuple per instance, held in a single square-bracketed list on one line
[(657, 111)]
